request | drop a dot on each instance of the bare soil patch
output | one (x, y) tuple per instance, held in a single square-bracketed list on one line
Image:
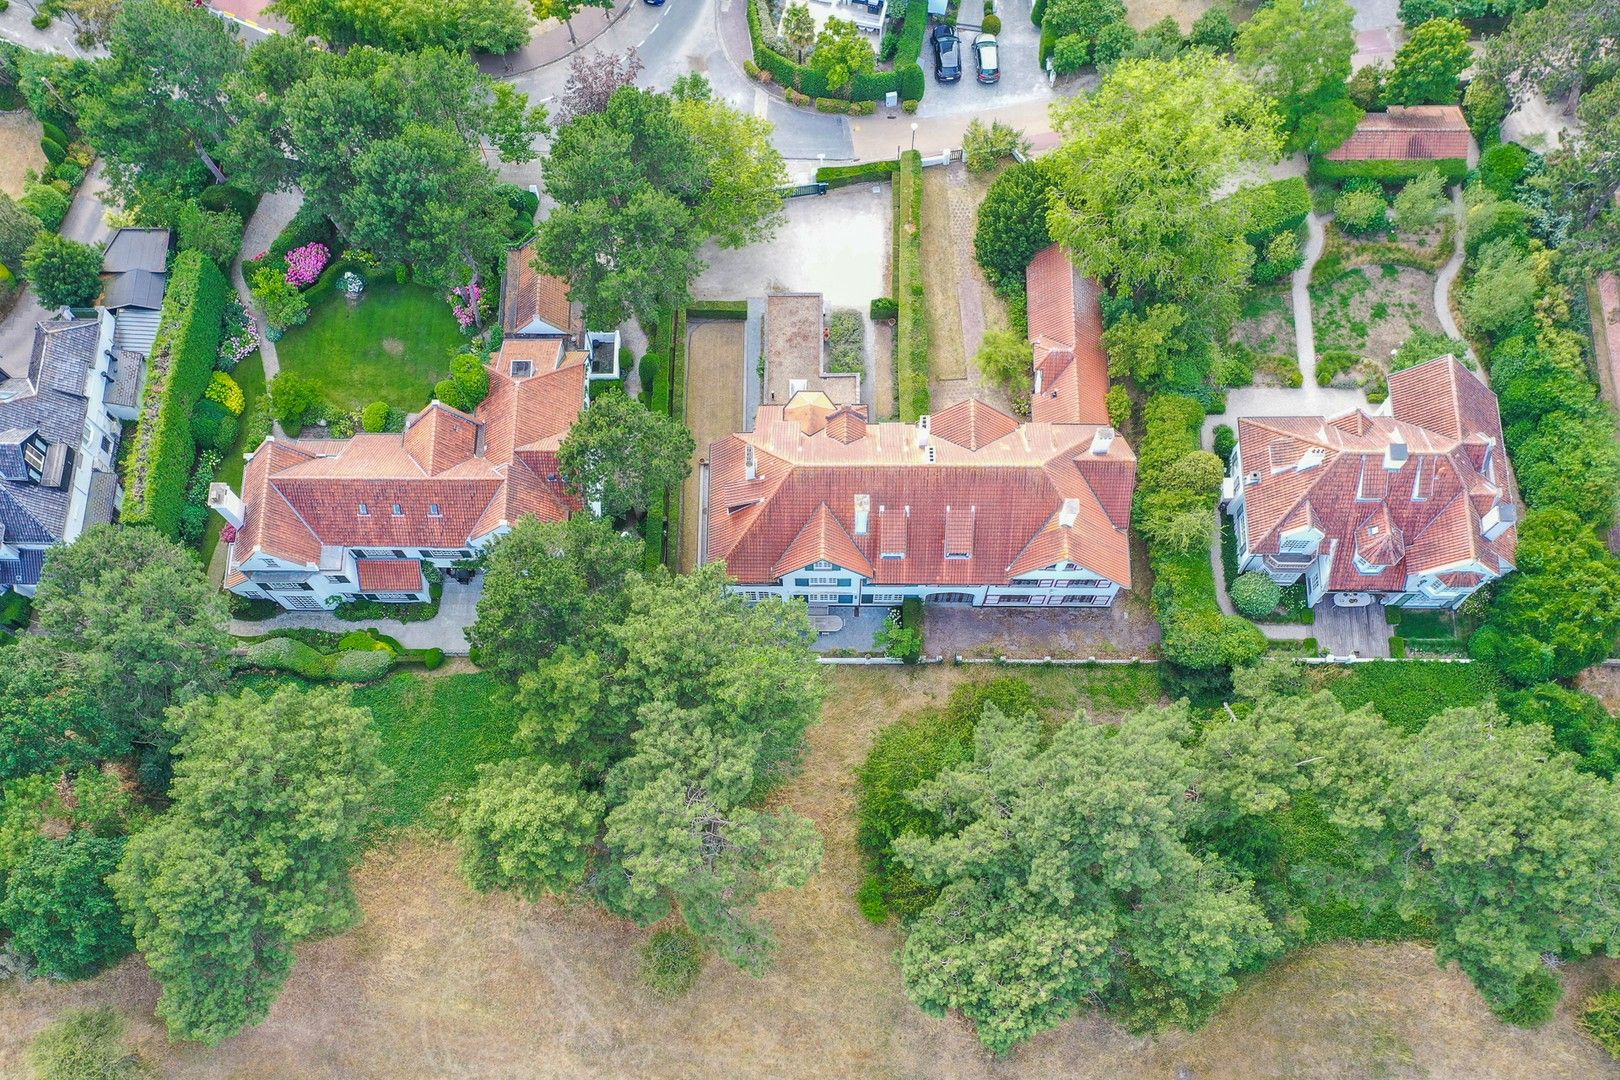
[(714, 409), (393, 346), (19, 150), (1370, 311), (979, 309), (1266, 329)]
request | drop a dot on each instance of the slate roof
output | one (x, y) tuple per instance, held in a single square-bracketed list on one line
[(533, 303), (50, 400), (136, 249), (454, 477), (129, 375), (1065, 328), (998, 499), (1421, 517), (1407, 133), (135, 289)]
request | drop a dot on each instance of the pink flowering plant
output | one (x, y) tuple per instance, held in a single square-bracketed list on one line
[(304, 264), (464, 301)]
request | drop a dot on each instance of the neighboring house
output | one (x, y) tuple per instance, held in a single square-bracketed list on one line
[(59, 429), (322, 520), (1065, 330), (1408, 133), (967, 506), (1415, 505), (536, 305), (134, 274)]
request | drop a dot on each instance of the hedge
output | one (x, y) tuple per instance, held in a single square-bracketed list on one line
[(360, 656), (1324, 171), (837, 176), (911, 356), (677, 409), (178, 372), (662, 341), (736, 310), (1272, 208), (907, 78)]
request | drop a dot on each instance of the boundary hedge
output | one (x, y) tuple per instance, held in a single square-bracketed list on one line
[(1272, 208), (906, 79), (736, 310), (662, 342), (181, 363), (911, 353), (837, 176), (1324, 171)]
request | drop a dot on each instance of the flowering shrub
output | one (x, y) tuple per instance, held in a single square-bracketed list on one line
[(304, 264), (238, 338), (464, 300), (223, 389)]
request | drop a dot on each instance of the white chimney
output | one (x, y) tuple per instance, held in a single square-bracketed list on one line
[(1070, 513), (1498, 520), (224, 501), (1395, 454), (1310, 459), (750, 465), (922, 431), (863, 514), (1101, 441)]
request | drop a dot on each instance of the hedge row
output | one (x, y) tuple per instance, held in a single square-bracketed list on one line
[(677, 409), (1272, 208), (906, 79), (912, 352), (736, 310), (360, 656), (181, 363), (837, 176), (1324, 171), (662, 342)]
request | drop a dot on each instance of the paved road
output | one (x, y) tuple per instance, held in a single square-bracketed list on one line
[(86, 222)]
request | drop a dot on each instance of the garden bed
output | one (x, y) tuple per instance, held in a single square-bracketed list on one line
[(1263, 342), (19, 150), (1363, 315)]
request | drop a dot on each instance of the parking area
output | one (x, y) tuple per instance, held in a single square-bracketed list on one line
[(1021, 76)]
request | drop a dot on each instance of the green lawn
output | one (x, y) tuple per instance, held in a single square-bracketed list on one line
[(249, 375), (392, 346), (1407, 693)]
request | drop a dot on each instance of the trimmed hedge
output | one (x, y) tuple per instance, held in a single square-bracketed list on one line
[(178, 373), (736, 310), (837, 176), (1332, 172), (1269, 209), (911, 356)]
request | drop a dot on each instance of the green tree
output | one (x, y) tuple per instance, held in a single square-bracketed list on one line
[(549, 583), (131, 609), (1560, 612), (565, 10), (85, 1043), (1580, 723), (1502, 290), (1420, 201), (842, 54), (1012, 225), (158, 108), (528, 826), (1584, 173), (1429, 65), (1559, 49), (1004, 359), (496, 26), (63, 272), (216, 235), (1136, 178), (1144, 348), (743, 203), (623, 456), (1082, 19), (798, 28), (1298, 53), (271, 796), (47, 720), (1214, 29), (1570, 462), (17, 231), (59, 909)]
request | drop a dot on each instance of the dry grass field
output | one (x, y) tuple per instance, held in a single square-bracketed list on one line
[(713, 409), (19, 149), (441, 982)]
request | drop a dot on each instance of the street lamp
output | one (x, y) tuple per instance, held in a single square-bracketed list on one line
[(914, 134)]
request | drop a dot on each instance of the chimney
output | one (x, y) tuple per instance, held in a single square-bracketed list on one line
[(863, 514), (922, 431), (1101, 441), (223, 501), (1498, 520), (1395, 453), (1310, 459), (750, 465), (1070, 513)]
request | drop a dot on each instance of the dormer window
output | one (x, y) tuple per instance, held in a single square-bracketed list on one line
[(434, 511), (522, 369), (399, 511), (364, 510)]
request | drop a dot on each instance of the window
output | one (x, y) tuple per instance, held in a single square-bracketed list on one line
[(882, 598), (1013, 598), (398, 511), (1084, 583), (106, 444), (286, 586), (822, 565), (822, 598), (442, 553), (1093, 599), (338, 579), (365, 511), (433, 510), (1298, 545), (801, 583), (828, 579), (302, 603), (1026, 582)]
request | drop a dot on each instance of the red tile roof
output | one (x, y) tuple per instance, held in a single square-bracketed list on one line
[(1065, 328), (1001, 498), (528, 295), (1421, 513), (1417, 133), (390, 575)]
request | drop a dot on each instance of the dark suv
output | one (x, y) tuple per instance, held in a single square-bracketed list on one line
[(947, 54)]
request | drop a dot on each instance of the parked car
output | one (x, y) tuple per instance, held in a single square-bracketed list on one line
[(986, 59), (947, 54), (656, 3)]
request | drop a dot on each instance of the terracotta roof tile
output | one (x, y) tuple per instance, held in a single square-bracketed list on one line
[(440, 437), (972, 423), (528, 296), (390, 575), (822, 538), (1419, 133), (1065, 326)]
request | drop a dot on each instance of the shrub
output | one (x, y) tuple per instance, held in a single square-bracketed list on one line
[(223, 389), (912, 85), (837, 176), (55, 152), (69, 172), (1332, 363), (1070, 53), (212, 425), (832, 105), (52, 133), (983, 146), (179, 371), (294, 398), (374, 417), (1535, 1000), (1600, 1018), (63, 272), (223, 197), (1501, 167), (305, 263), (869, 899), (467, 385), (1118, 403), (1486, 105), (1254, 594), (897, 641), (308, 226), (1360, 211), (911, 613), (671, 962), (1011, 229), (361, 665), (884, 309), (218, 236), (1268, 209), (1214, 29), (84, 1044), (1114, 42), (281, 303), (991, 24), (1225, 443), (1281, 257), (1420, 201)]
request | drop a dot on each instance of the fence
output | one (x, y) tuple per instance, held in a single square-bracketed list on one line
[(884, 661)]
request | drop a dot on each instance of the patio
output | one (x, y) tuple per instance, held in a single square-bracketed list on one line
[(860, 626), (1352, 631)]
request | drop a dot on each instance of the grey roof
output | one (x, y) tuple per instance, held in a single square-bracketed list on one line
[(136, 249), (103, 491), (129, 373), (136, 288), (24, 570), (50, 401)]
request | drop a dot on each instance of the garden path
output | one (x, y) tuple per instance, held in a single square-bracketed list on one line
[(1448, 273), (275, 210), (458, 609), (1272, 631)]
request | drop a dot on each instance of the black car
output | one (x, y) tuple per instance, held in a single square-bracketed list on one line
[(986, 59), (947, 54)]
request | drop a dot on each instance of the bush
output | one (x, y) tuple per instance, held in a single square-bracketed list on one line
[(1282, 256), (983, 146), (218, 236), (991, 24), (846, 341), (898, 642), (718, 309), (308, 226), (911, 613), (913, 333), (1118, 403), (227, 197), (59, 909), (1225, 443), (1600, 1018), (45, 203), (884, 309), (55, 152), (1360, 212), (837, 176), (63, 272), (1011, 229), (374, 417), (294, 399), (1114, 43), (1268, 209), (224, 389), (1501, 167), (1254, 594), (85, 1044), (869, 899), (1070, 53), (1420, 201), (467, 385), (338, 664), (1486, 105), (1214, 30), (1332, 363), (831, 105), (912, 84), (52, 133), (179, 371), (212, 425), (1535, 1000), (671, 962), (69, 172)]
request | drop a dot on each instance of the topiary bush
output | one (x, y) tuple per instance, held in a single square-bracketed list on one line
[(1254, 594), (671, 962), (1225, 443), (991, 24), (1501, 167), (212, 425), (884, 309), (374, 417)]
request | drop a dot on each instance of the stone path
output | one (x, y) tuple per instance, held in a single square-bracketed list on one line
[(1271, 631), (275, 211), (1448, 273), (964, 219), (458, 609)]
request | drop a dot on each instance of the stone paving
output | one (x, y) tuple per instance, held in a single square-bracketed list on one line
[(458, 609)]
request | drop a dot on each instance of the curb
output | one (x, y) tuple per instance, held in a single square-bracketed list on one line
[(618, 14)]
